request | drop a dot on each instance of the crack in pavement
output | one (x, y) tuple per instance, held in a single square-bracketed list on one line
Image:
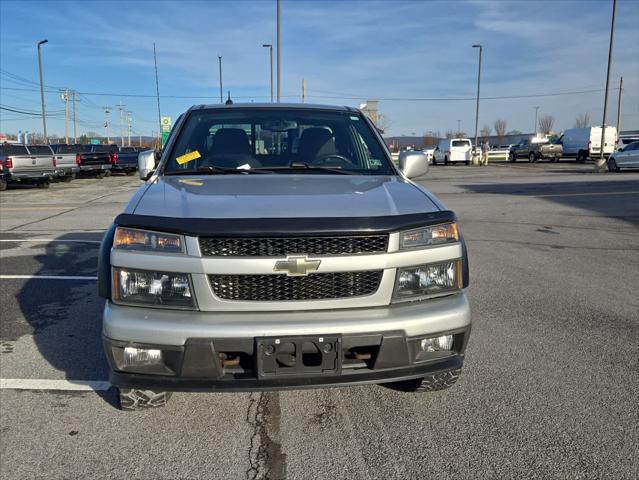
[(265, 455)]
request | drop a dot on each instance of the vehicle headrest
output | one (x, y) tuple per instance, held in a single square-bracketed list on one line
[(232, 141), (315, 142)]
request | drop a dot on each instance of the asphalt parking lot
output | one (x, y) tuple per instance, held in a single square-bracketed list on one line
[(550, 387)]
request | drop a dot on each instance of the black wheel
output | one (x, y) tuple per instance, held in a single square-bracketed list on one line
[(532, 158), (553, 159), (581, 157), (612, 165), (130, 172), (445, 160), (134, 399), (431, 383), (44, 184), (3, 185), (512, 158), (107, 173), (68, 178), (100, 175)]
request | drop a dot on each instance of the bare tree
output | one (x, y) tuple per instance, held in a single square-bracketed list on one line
[(430, 139), (383, 122), (545, 123), (450, 134), (582, 120), (500, 128), (485, 131)]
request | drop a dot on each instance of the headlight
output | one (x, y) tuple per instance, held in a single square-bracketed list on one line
[(146, 241), (429, 236), (427, 279), (156, 289)]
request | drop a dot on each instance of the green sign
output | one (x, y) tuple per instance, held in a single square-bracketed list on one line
[(166, 128), (165, 136), (95, 141)]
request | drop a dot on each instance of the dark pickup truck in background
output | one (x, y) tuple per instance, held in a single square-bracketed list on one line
[(126, 160), (97, 159)]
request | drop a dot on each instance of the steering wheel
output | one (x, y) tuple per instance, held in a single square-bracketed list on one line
[(326, 159)]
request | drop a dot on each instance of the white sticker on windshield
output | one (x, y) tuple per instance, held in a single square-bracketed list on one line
[(354, 117)]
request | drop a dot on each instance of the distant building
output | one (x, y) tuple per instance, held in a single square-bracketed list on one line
[(371, 110)]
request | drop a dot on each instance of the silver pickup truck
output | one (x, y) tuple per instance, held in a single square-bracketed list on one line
[(34, 164), (67, 161), (277, 246)]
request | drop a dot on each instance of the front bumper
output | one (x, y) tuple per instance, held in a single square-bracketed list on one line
[(377, 345)]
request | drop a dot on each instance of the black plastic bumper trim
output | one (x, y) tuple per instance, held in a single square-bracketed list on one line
[(359, 377)]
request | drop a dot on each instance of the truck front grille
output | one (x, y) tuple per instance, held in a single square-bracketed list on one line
[(316, 286), (282, 246)]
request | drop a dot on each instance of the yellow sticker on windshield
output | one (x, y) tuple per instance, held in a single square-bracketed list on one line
[(188, 157), (188, 181)]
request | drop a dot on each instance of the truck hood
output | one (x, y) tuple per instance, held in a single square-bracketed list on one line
[(281, 196)]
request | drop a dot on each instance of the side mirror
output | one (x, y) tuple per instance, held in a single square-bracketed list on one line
[(146, 164), (413, 164)]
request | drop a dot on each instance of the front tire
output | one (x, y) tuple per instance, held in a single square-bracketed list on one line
[(612, 165), (132, 399), (445, 160), (532, 158), (581, 157), (431, 383), (44, 184), (512, 158)]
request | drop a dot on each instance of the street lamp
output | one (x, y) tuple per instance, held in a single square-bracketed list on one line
[(219, 59), (279, 44), (44, 119), (270, 47), (478, 83)]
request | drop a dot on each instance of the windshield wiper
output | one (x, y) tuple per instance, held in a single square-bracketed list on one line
[(212, 170), (307, 167)]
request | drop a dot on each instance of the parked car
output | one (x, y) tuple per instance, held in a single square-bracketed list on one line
[(97, 159), (537, 148), (233, 269), (30, 164), (585, 143), (626, 157), (500, 153), (126, 160), (67, 162), (428, 151), (453, 150)]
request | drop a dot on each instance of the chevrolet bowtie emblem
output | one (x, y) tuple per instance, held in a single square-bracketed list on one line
[(296, 266)]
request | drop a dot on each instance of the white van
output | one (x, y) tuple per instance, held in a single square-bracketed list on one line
[(585, 143), (453, 150)]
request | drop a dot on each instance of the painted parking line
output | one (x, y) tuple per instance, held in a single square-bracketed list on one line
[(48, 240), (46, 277), (60, 385)]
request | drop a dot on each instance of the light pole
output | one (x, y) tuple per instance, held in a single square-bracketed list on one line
[(536, 110), (44, 119), (219, 60), (458, 126), (601, 162), (478, 84), (279, 78), (270, 47)]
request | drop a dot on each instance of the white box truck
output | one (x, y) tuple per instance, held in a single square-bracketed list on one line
[(585, 143)]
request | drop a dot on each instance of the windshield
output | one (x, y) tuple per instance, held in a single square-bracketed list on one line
[(461, 143), (281, 140)]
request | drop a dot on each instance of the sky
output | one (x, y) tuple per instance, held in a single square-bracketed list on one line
[(415, 57)]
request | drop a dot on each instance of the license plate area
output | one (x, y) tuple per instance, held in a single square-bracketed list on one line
[(304, 355)]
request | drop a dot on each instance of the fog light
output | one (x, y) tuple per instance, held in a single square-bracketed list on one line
[(135, 357), (436, 344)]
